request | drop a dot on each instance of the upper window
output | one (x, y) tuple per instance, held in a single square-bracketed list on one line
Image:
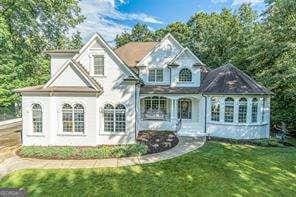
[(98, 65), (229, 109), (242, 110), (155, 75), (37, 118), (114, 119), (155, 108), (215, 109), (254, 109), (73, 118), (185, 75), (184, 109)]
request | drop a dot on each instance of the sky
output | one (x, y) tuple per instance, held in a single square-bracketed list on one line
[(112, 17)]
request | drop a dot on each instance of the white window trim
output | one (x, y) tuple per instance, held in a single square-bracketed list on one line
[(185, 82), (29, 110), (155, 75), (104, 132)]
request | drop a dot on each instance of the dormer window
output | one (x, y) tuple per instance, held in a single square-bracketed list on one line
[(98, 65), (155, 75)]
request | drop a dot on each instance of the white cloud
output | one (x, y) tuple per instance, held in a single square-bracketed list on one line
[(103, 17), (240, 2)]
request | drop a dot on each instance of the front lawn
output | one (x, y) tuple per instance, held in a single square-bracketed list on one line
[(217, 169)]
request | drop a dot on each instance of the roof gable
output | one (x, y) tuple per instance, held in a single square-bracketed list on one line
[(163, 52), (228, 79), (97, 37), (184, 52), (72, 74)]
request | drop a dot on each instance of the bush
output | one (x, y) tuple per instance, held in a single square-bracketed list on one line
[(83, 152)]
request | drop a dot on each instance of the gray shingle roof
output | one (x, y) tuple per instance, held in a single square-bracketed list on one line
[(228, 79)]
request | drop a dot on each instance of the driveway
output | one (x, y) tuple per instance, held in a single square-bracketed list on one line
[(10, 137)]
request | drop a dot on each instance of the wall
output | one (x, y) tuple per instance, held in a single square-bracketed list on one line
[(57, 61), (237, 130)]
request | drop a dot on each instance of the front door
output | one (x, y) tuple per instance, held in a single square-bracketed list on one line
[(184, 109)]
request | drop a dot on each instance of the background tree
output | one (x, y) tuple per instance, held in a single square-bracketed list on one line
[(27, 28)]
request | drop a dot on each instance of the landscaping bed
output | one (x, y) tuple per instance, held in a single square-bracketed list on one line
[(157, 141), (69, 152)]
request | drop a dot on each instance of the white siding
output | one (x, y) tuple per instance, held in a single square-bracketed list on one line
[(237, 130), (57, 61)]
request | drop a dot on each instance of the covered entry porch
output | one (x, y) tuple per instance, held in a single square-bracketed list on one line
[(173, 112)]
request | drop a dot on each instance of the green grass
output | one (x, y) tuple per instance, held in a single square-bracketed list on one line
[(69, 152), (217, 169)]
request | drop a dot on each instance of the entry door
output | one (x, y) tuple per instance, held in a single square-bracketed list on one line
[(184, 109)]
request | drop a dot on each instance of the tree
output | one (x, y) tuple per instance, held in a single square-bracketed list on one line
[(27, 28), (139, 33)]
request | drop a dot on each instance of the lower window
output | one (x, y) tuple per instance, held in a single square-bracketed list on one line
[(114, 118), (73, 118)]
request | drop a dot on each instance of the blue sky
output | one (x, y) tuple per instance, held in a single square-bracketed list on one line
[(111, 17)]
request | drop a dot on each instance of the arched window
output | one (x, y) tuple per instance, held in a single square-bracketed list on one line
[(67, 118), (184, 108), (109, 118), (242, 110), (120, 118), (185, 75), (254, 109), (229, 109), (114, 119), (215, 109), (78, 118), (37, 118)]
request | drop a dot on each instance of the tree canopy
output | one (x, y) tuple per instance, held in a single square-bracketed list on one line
[(27, 28)]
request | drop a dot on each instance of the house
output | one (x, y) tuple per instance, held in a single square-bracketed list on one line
[(97, 95)]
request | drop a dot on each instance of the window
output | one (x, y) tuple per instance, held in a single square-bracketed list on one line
[(78, 118), (67, 118), (185, 75), (155, 75), (184, 109), (215, 109), (98, 65), (263, 109), (120, 118), (37, 118), (109, 118), (73, 118), (155, 108), (242, 110), (229, 109), (254, 109), (114, 119)]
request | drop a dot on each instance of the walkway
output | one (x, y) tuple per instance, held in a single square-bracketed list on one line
[(15, 163)]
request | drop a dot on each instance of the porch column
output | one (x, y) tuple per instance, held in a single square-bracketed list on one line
[(174, 111)]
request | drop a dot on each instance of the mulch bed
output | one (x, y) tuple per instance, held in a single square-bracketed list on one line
[(157, 141)]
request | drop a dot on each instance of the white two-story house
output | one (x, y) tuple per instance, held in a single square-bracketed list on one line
[(99, 95)]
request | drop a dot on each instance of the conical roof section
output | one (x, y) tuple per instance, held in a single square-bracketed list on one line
[(228, 79)]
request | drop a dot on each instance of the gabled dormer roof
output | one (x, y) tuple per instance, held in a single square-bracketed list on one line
[(99, 38), (168, 36), (83, 74), (185, 50), (228, 79)]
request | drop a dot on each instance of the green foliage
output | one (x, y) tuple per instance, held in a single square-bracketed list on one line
[(83, 153), (263, 46), (27, 28), (235, 170)]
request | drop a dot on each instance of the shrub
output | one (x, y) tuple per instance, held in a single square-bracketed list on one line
[(83, 152)]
